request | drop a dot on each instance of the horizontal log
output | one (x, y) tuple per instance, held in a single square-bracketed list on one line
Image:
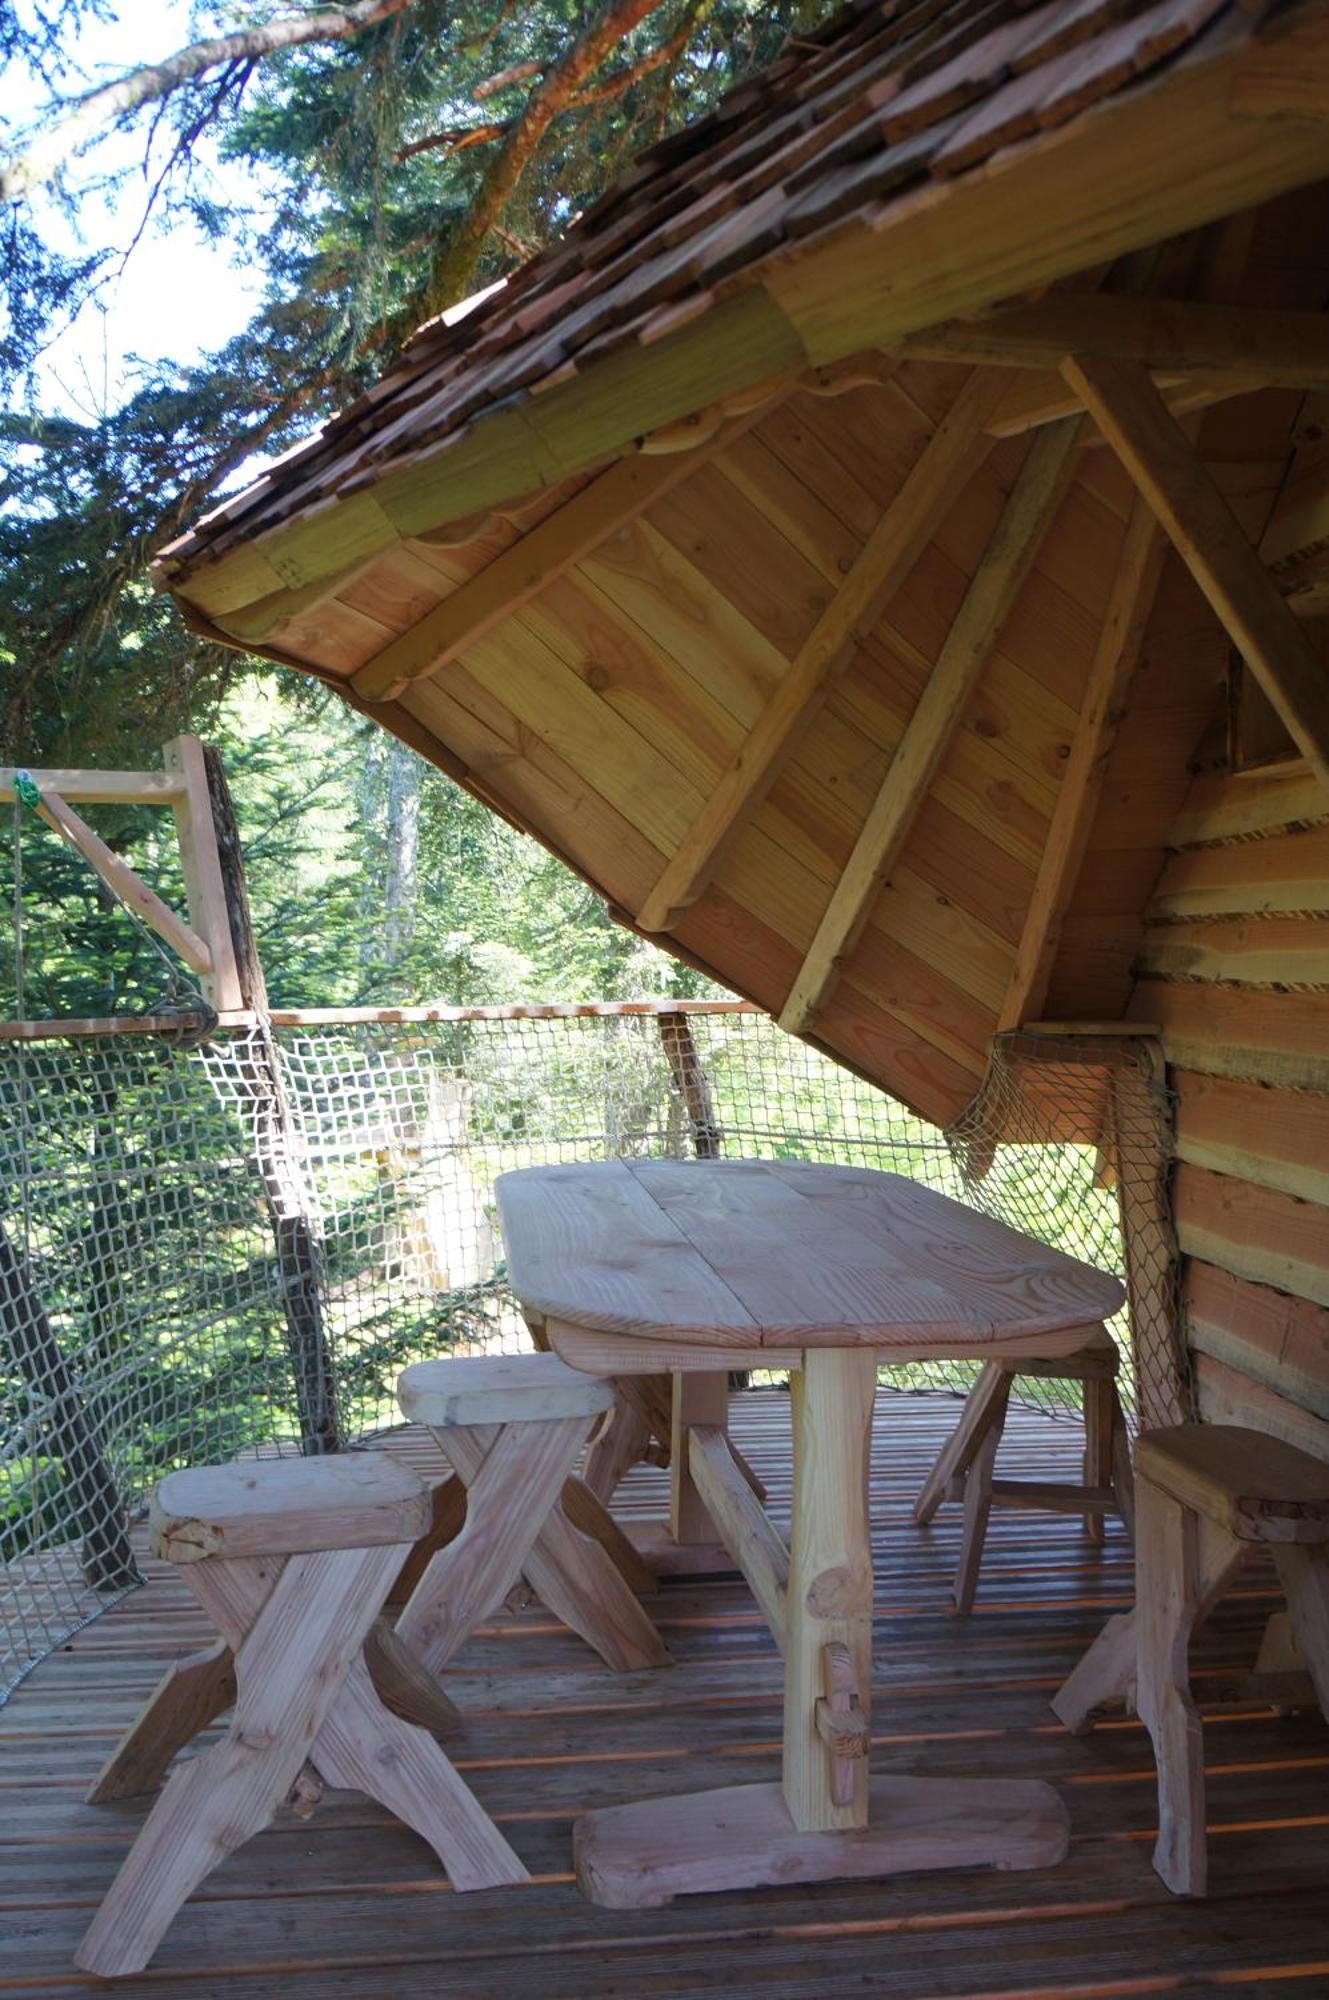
[(1277, 1339), (1261, 951), (1288, 871), (1226, 807), (1276, 1138), (1256, 1233), (1277, 1038), (1226, 1396)]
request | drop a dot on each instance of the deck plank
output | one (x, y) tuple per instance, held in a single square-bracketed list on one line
[(350, 1903)]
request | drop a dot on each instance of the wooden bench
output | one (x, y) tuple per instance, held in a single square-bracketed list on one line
[(964, 1468), (293, 1559), (512, 1427), (1206, 1495)]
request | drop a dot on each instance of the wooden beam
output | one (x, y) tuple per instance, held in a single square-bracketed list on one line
[(1288, 350), (1034, 499), (745, 1528), (552, 546), (123, 883), (1211, 541), (121, 788), (890, 552), (200, 864), (1118, 649), (1033, 400)]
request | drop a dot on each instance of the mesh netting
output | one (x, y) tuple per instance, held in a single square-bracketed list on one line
[(210, 1250)]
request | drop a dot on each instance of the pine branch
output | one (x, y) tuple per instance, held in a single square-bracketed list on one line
[(96, 109), (520, 72), (455, 139), (558, 91)]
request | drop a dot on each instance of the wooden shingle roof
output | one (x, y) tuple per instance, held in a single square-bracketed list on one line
[(806, 548), (887, 96)]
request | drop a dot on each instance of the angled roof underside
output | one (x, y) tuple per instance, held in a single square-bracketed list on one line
[(588, 547)]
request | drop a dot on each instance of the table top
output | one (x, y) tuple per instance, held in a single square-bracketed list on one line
[(781, 1253)]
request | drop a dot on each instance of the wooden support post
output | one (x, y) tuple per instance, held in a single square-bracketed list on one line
[(829, 1600), (1212, 543), (196, 833), (276, 1145), (1143, 1146), (693, 1085), (1034, 500), (63, 1426), (699, 1398)]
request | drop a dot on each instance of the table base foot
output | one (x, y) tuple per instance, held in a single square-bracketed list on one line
[(741, 1837), (661, 1553)]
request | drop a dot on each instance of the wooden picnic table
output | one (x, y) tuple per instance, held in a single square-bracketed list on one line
[(695, 1268)]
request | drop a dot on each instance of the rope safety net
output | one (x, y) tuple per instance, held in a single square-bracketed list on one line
[(236, 1246)]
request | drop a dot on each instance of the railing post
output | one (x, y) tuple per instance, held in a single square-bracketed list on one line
[(108, 1559), (277, 1148), (692, 1082)]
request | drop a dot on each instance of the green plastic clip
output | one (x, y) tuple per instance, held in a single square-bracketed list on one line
[(26, 789)]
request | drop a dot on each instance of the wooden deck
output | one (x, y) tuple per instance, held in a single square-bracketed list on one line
[(349, 1904)]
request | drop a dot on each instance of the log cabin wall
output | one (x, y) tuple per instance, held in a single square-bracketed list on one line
[(1235, 969)]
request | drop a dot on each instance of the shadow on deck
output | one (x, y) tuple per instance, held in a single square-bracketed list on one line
[(351, 1904)]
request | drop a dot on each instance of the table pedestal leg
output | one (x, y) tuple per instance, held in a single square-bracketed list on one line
[(826, 1819)]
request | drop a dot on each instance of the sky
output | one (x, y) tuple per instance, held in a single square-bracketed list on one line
[(177, 294)]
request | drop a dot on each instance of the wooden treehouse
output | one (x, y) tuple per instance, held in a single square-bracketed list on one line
[(884, 548)]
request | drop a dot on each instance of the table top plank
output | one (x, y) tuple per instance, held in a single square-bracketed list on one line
[(783, 1253), (586, 1235)]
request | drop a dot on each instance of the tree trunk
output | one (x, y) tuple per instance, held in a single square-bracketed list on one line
[(108, 1560), (403, 851), (693, 1084), (277, 1155)]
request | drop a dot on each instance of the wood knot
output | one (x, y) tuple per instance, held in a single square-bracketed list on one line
[(831, 1593)]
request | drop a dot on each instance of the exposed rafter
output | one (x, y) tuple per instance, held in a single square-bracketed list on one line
[(552, 546), (1114, 662), (1211, 541), (1034, 499), (1034, 399), (890, 552), (1171, 336)]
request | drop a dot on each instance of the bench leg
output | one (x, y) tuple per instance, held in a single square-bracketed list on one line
[(1106, 1672), (616, 1451), (513, 1478), (984, 1405), (191, 1694), (305, 1713), (1167, 1584), (1100, 1398), (363, 1747), (1304, 1574), (1123, 1475), (978, 1498), (569, 1571), (289, 1669)]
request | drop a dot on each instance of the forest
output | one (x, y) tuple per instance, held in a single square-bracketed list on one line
[(362, 167)]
